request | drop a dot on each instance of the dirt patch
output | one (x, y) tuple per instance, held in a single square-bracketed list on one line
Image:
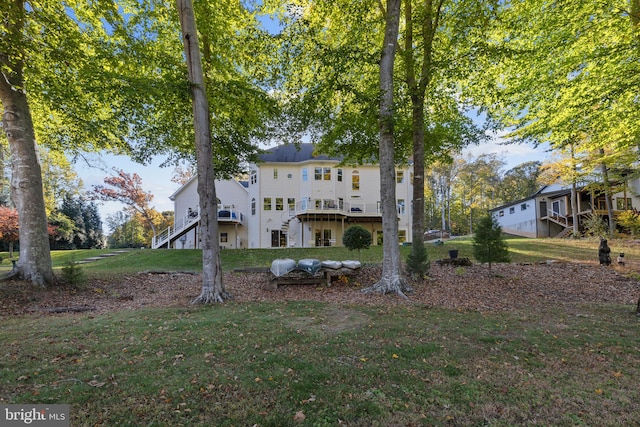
[(504, 287)]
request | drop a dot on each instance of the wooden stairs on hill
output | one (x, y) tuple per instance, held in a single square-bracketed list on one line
[(566, 233)]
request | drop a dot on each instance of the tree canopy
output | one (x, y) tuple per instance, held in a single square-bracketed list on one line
[(565, 70)]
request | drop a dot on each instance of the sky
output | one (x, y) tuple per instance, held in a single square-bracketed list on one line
[(157, 180)]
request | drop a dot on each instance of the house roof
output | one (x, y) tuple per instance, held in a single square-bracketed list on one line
[(516, 202), (292, 153), (543, 192)]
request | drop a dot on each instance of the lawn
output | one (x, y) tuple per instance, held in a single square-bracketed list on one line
[(269, 364), (309, 363), (521, 250)]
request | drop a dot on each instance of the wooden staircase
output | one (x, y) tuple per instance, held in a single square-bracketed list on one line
[(567, 232)]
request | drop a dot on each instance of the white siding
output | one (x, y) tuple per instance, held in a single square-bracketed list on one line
[(519, 219)]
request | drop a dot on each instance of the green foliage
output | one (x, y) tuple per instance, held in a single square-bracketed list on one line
[(567, 69), (595, 225), (78, 224), (519, 182), (489, 245), (73, 274), (629, 220), (418, 264), (357, 238)]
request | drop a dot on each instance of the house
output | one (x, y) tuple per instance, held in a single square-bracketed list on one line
[(232, 204), (294, 197), (549, 212)]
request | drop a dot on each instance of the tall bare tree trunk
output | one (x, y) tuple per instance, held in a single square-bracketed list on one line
[(575, 203), (34, 263), (417, 83), (392, 280), (607, 194), (212, 287)]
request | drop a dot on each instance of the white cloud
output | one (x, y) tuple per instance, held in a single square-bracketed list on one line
[(513, 154)]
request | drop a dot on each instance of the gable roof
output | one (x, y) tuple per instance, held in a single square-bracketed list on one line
[(291, 153)]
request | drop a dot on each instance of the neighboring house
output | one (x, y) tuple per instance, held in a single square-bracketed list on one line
[(294, 198), (549, 212)]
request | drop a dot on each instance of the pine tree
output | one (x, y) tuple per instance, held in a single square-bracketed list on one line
[(418, 261), (489, 244)]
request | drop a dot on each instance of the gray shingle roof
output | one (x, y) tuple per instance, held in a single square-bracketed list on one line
[(290, 153)]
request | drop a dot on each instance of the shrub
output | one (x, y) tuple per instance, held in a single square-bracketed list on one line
[(489, 244), (73, 274), (356, 237), (630, 220), (595, 225), (417, 261)]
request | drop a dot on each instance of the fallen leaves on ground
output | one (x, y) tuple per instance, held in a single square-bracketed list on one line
[(503, 287)]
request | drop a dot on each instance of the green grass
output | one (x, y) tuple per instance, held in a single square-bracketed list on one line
[(521, 250), (243, 364), (260, 364)]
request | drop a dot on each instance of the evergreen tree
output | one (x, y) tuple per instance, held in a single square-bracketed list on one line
[(87, 232), (93, 226), (418, 261), (489, 244)]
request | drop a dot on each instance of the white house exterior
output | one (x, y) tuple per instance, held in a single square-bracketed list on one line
[(295, 198), (232, 228), (549, 212)]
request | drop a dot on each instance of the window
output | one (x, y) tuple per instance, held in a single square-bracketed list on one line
[(523, 207), (401, 209), (305, 176), (275, 173), (291, 203), (379, 206), (512, 210), (399, 177), (620, 203), (339, 175), (267, 203), (317, 174), (279, 203), (223, 237), (326, 174), (355, 180), (340, 203), (501, 213), (254, 177), (402, 236), (318, 204), (253, 206)]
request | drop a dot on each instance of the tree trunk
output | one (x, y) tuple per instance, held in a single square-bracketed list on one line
[(392, 280), (212, 287), (575, 204), (34, 263), (607, 194)]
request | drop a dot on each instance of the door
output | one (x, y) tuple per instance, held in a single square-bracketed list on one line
[(278, 239)]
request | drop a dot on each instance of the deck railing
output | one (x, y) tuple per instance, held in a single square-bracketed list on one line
[(226, 213)]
